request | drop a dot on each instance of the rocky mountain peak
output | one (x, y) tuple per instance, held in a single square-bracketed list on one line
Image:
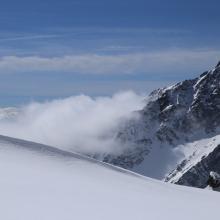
[(218, 64), (195, 103), (173, 116)]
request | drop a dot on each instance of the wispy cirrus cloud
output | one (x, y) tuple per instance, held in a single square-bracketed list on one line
[(86, 31), (131, 63), (28, 37)]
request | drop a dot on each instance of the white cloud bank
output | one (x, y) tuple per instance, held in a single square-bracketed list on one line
[(112, 64), (78, 123)]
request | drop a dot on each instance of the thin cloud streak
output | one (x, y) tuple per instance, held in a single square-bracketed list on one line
[(131, 63), (33, 37), (70, 32)]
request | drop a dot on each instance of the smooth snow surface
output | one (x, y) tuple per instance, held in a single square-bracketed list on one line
[(42, 183)]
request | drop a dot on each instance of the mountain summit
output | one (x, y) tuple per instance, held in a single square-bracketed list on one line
[(177, 129)]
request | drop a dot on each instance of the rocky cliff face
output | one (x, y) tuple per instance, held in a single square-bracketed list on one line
[(174, 117), (197, 174)]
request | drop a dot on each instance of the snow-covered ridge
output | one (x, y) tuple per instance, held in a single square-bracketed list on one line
[(57, 152), (195, 168), (41, 182)]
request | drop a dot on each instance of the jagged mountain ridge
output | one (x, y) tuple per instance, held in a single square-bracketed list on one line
[(198, 174), (194, 169), (173, 117)]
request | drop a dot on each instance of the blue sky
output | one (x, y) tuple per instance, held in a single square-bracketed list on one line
[(56, 48)]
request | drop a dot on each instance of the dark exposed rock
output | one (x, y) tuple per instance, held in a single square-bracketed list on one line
[(198, 175), (129, 158), (218, 64)]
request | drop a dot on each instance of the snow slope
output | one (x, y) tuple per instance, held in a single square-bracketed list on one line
[(39, 182), (200, 157)]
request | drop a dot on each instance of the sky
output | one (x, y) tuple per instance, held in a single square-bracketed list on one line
[(53, 49)]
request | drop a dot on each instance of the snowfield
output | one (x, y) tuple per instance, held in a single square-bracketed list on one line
[(43, 183)]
